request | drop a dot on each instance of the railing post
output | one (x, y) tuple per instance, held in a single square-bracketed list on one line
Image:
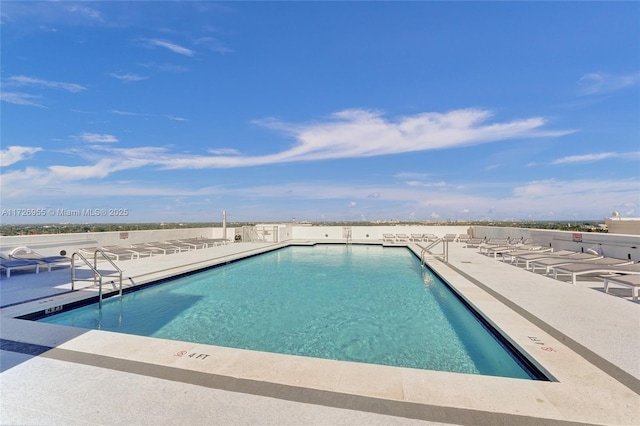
[(100, 294), (73, 271), (97, 276)]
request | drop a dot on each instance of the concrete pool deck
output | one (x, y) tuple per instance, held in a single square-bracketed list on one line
[(588, 341)]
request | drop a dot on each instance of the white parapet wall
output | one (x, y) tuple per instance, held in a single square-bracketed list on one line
[(611, 245), (361, 233), (620, 246), (53, 244)]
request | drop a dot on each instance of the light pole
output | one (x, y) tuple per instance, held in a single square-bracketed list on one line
[(224, 224)]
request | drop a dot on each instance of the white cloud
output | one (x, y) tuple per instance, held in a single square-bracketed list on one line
[(350, 133), (137, 114), (426, 184), (553, 188), (117, 112), (128, 77), (14, 154), (213, 44), (589, 158), (18, 98), (175, 48), (601, 83), (361, 133), (410, 175), (174, 118), (98, 138), (514, 200), (22, 80), (86, 11), (166, 67), (224, 151)]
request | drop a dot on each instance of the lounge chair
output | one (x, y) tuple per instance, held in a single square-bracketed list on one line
[(194, 243), (147, 248), (493, 243), (463, 238), (548, 263), (219, 241), (139, 252), (427, 238), (525, 250), (116, 253), (474, 242), (578, 269), (632, 281), (402, 238), (416, 238), (10, 264), (208, 242), (388, 238), (504, 250), (451, 237), (161, 247), (527, 258), (183, 246), (25, 253)]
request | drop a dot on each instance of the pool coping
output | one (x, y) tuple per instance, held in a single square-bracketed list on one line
[(404, 392)]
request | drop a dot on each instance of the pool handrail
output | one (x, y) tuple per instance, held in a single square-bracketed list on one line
[(444, 256), (97, 276)]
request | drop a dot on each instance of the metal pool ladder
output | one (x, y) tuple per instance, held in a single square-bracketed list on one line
[(444, 256), (97, 276)]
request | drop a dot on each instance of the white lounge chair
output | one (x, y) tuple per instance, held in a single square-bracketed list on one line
[(474, 242), (183, 246), (416, 238), (116, 253), (402, 238), (493, 243), (537, 250), (527, 258), (165, 248), (548, 264), (578, 269), (388, 238), (209, 242), (463, 238), (427, 238), (451, 237), (504, 250), (194, 243), (632, 281)]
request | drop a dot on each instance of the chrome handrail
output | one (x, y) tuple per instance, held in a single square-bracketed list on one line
[(97, 276), (445, 251)]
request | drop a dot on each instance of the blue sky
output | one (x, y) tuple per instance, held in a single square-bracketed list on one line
[(319, 111)]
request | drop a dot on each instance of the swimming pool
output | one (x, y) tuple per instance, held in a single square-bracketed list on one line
[(368, 304)]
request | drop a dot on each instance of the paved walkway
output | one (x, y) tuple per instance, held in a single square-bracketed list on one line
[(604, 328), (77, 376)]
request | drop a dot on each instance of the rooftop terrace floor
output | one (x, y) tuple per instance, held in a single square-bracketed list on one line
[(588, 341)]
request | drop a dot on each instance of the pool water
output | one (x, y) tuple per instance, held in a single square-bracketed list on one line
[(367, 304)]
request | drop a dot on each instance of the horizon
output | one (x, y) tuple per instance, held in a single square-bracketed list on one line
[(149, 112), (373, 222)]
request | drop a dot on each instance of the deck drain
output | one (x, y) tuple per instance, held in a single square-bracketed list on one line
[(465, 261)]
